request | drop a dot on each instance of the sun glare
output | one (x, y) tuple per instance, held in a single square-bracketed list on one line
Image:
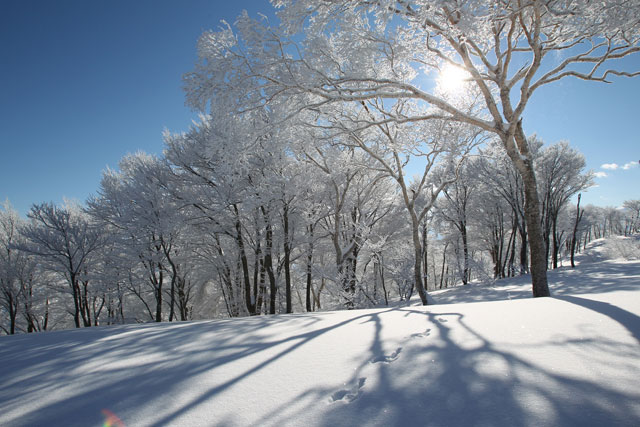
[(452, 79)]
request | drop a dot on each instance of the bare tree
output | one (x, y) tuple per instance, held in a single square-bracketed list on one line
[(355, 51), (65, 239)]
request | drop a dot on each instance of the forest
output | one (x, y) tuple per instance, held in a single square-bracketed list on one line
[(352, 155)]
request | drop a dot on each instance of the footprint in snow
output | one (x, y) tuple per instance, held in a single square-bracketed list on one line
[(387, 359), (349, 395), (422, 334)]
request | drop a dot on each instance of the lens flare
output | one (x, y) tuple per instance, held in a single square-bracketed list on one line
[(111, 420)]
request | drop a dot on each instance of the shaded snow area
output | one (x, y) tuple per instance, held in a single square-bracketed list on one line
[(569, 360)]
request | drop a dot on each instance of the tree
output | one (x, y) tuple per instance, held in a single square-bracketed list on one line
[(10, 260), (356, 51), (237, 182), (136, 204), (560, 169), (501, 180), (65, 239), (576, 223), (455, 209), (633, 207)]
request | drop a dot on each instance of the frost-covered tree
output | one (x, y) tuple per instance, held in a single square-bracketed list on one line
[(353, 52), (240, 188), (456, 207), (633, 209), (65, 239), (136, 203), (24, 298), (351, 197), (24, 294), (561, 175), (502, 187), (10, 261)]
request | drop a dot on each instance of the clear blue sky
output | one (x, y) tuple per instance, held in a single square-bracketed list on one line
[(84, 82)]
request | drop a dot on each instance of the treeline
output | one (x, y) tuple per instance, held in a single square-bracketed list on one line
[(215, 230)]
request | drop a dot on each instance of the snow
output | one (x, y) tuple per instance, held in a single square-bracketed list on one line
[(485, 355)]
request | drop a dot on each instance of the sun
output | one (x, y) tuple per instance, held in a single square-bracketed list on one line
[(452, 79)]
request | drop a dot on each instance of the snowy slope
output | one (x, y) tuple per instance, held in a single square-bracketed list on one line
[(573, 359), (608, 265)]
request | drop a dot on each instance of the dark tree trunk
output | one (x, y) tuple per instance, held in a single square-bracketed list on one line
[(575, 231), (268, 262), (249, 301), (444, 262), (465, 253), (86, 308), (287, 260), (524, 246), (512, 250), (557, 239), (384, 287), (76, 299), (45, 324), (309, 266), (159, 296), (172, 292), (425, 264), (13, 311)]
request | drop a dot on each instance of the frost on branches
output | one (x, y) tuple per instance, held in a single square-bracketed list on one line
[(373, 55)]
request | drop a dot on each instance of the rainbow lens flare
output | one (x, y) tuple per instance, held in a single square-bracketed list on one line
[(111, 420)]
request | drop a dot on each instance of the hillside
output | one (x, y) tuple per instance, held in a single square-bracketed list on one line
[(483, 355)]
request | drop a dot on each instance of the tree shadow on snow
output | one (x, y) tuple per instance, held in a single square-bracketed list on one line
[(625, 318), (452, 385), (142, 373), (587, 278)]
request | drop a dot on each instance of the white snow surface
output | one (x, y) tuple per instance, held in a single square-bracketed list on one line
[(484, 355)]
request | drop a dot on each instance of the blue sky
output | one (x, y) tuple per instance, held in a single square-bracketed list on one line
[(82, 83)]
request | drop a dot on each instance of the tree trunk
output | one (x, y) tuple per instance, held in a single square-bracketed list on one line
[(172, 292), (557, 240), (465, 253), (524, 164), (540, 286), (13, 311), (384, 287), (249, 301), (524, 259), (268, 263), (425, 264), (512, 250), (76, 299), (287, 260), (417, 253), (444, 262), (159, 297), (260, 287), (309, 266), (575, 231), (45, 323)]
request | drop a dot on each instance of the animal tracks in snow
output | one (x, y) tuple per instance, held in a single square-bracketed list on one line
[(421, 334), (387, 359), (350, 394)]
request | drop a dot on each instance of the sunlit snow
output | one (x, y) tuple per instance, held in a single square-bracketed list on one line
[(485, 355)]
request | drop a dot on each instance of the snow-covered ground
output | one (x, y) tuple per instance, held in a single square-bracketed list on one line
[(485, 355)]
